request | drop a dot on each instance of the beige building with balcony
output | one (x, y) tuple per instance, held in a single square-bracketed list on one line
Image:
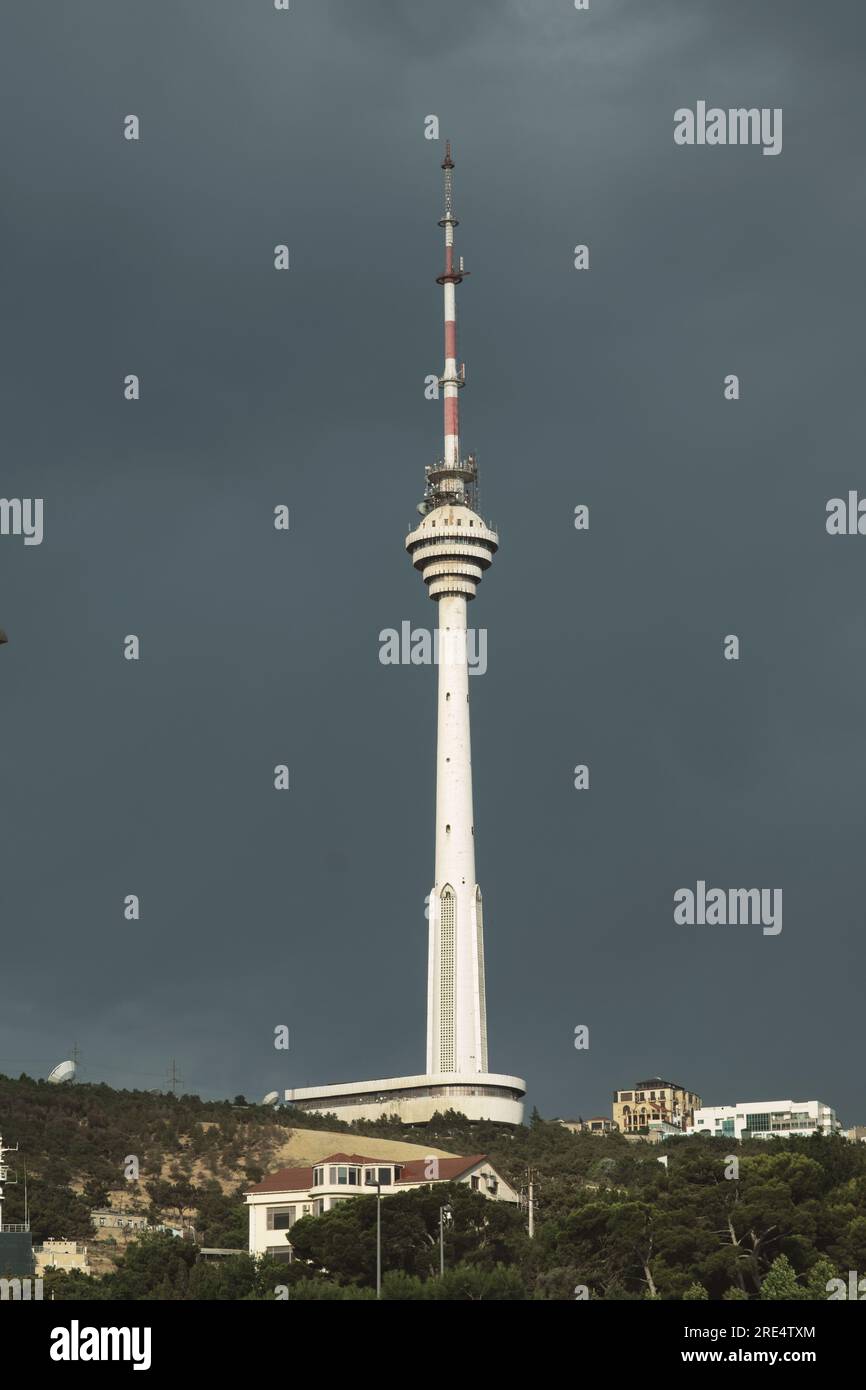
[(655, 1104)]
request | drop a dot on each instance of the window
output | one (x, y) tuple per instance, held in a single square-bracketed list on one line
[(342, 1177), (385, 1177), (758, 1122), (474, 1183), (281, 1253), (333, 1177), (446, 978), (280, 1218), (317, 1177), (479, 953)]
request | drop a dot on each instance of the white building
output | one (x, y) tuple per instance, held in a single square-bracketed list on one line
[(61, 1254), (415, 1099), (451, 548), (283, 1198), (762, 1119)]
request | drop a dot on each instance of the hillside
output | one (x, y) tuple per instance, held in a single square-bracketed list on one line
[(309, 1145), (81, 1147), (780, 1221)]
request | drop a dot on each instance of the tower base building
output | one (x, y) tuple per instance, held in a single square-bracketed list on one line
[(414, 1100)]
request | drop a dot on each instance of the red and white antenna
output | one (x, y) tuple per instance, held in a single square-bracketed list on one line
[(452, 480), (451, 380)]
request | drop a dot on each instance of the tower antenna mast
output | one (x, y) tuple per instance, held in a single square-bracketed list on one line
[(450, 479)]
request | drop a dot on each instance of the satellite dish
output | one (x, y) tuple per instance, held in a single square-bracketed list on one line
[(64, 1071), (271, 1098)]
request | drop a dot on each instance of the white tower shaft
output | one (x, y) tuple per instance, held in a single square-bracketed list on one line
[(456, 1007)]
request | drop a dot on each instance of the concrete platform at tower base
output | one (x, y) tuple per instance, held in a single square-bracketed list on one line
[(415, 1099)]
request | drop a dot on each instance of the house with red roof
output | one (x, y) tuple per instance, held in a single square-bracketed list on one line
[(283, 1198)]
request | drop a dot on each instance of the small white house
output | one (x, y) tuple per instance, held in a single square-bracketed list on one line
[(283, 1198)]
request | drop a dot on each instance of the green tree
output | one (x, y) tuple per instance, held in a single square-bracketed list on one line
[(180, 1197), (780, 1281), (818, 1278), (156, 1266), (343, 1240)]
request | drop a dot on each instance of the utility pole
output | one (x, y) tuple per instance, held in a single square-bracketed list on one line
[(374, 1182), (531, 1204), (378, 1240), (174, 1077), (445, 1214)]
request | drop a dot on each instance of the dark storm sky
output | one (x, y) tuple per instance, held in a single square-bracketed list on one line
[(306, 388)]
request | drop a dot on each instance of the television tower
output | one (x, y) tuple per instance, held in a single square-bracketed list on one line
[(451, 549)]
